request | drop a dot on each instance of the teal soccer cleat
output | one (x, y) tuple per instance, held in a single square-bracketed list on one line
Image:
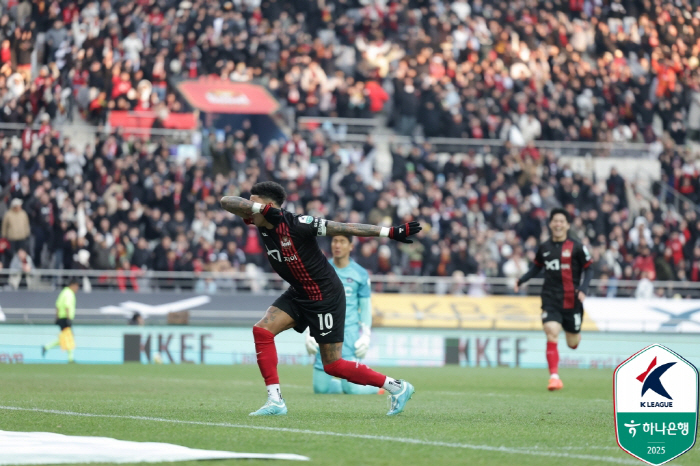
[(271, 408), (398, 402)]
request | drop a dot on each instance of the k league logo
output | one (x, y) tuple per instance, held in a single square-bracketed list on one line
[(653, 381), (656, 405)]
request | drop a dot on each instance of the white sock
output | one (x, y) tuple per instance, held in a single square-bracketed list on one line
[(392, 386), (553, 376), (273, 391)]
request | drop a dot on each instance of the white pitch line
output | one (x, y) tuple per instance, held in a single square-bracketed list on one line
[(467, 446)]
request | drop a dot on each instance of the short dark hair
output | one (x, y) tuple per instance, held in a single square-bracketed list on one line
[(560, 210), (270, 190), (349, 237)]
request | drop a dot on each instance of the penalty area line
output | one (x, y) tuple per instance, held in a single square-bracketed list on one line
[(383, 438)]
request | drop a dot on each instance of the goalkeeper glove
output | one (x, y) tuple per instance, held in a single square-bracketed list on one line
[(402, 232), (311, 345), (271, 214), (362, 343)]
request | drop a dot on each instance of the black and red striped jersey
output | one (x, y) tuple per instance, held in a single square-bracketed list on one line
[(295, 255), (563, 263)]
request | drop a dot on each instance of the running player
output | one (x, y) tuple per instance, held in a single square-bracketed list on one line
[(315, 298), (565, 261), (65, 314), (358, 321)]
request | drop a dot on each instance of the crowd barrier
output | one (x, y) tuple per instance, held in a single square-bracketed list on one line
[(118, 344), (396, 310)]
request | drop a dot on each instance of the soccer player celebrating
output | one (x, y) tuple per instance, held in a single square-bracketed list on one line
[(315, 298), (564, 261), (358, 321)]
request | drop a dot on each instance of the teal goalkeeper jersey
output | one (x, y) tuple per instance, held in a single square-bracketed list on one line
[(356, 282)]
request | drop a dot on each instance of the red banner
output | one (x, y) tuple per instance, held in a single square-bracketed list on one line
[(144, 121), (214, 95)]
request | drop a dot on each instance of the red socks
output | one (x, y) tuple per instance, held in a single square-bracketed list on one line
[(356, 373), (552, 357), (267, 355), (350, 371)]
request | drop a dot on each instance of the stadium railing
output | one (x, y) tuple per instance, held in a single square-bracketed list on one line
[(258, 282), (82, 135), (353, 126), (356, 130)]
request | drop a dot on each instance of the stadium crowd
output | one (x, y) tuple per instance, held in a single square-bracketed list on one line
[(120, 206), (590, 70), (515, 71)]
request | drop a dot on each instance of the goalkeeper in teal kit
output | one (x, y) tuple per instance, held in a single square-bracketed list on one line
[(358, 322)]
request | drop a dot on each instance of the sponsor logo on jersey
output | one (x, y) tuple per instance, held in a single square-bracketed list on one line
[(306, 219), (285, 241), (565, 266), (274, 253), (566, 253), (290, 258), (552, 265)]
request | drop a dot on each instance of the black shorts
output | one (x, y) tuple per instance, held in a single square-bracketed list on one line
[(570, 319), (63, 323), (325, 319)]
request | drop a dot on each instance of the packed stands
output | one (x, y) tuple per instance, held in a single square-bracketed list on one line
[(619, 71)]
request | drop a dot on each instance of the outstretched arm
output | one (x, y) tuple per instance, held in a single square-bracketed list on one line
[(354, 229), (237, 205), (245, 208), (532, 273), (398, 233)]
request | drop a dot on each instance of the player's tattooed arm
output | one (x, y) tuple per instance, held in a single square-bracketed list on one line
[(397, 233), (353, 229), (237, 205)]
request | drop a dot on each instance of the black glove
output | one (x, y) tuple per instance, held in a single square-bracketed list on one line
[(402, 232), (272, 214)]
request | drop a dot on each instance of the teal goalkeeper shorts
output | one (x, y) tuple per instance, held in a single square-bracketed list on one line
[(352, 334)]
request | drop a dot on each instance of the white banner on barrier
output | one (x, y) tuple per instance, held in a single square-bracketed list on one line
[(644, 315)]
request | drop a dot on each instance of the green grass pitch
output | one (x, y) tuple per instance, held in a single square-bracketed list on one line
[(458, 415)]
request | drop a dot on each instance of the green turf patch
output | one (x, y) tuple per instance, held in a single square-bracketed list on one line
[(457, 416)]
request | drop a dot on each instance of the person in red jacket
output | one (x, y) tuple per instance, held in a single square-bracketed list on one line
[(377, 96), (645, 263)]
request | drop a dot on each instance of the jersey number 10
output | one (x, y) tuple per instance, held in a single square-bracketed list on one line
[(327, 319)]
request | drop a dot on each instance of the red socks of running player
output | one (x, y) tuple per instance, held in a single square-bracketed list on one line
[(552, 357), (267, 355), (354, 372), (350, 371)]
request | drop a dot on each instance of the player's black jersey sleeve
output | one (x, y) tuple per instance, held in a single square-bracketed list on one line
[(539, 260), (584, 256), (305, 226)]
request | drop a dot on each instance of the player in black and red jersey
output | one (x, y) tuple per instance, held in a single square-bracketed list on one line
[(565, 261), (315, 298)]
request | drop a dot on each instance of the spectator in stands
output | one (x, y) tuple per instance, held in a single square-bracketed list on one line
[(23, 268), (515, 266), (15, 225), (645, 288)]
